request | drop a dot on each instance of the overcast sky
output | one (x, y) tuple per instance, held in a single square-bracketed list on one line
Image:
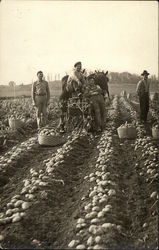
[(52, 35)]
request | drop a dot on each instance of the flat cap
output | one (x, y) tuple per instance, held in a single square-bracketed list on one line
[(77, 63)]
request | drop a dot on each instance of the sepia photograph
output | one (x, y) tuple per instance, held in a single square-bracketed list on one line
[(79, 124)]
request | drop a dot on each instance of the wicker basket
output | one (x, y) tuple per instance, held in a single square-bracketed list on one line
[(127, 132), (50, 140), (15, 123), (122, 133), (155, 133), (131, 133)]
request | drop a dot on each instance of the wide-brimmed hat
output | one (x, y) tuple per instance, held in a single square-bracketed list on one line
[(145, 73), (77, 63), (92, 76)]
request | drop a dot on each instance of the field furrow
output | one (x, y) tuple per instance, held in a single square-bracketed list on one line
[(93, 192)]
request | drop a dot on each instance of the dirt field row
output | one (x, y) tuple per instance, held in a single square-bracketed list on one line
[(94, 192)]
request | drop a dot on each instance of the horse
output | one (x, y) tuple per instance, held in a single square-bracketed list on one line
[(102, 80)]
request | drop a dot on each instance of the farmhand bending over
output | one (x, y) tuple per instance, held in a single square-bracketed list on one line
[(41, 96), (76, 80), (94, 93), (143, 93)]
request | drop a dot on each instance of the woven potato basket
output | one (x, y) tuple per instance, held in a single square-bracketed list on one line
[(127, 133), (50, 140), (122, 133), (155, 133), (15, 123)]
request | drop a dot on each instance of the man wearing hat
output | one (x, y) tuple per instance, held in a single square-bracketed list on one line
[(94, 93), (76, 80), (143, 93), (40, 96)]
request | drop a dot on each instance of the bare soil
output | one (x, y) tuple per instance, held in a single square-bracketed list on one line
[(50, 221)]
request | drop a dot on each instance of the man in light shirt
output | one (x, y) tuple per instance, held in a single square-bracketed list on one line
[(143, 93), (76, 80), (40, 96)]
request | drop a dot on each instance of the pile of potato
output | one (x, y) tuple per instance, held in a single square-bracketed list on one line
[(48, 132), (17, 153), (93, 226)]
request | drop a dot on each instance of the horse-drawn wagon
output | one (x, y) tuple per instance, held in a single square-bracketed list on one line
[(78, 114), (77, 111)]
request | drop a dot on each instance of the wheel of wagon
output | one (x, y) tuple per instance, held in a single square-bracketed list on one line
[(74, 118)]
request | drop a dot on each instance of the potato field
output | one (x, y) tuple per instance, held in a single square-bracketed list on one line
[(94, 191)]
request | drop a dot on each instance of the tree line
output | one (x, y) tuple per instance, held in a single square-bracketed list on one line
[(126, 77), (115, 77)]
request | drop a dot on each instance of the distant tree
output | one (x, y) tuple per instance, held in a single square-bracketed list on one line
[(115, 77), (12, 84), (124, 77), (153, 77)]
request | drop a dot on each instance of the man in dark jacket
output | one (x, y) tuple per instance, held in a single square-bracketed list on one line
[(94, 93), (143, 93)]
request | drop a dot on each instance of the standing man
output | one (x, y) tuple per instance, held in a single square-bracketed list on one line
[(143, 93), (76, 80), (41, 96), (94, 93)]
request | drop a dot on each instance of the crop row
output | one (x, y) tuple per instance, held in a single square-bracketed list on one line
[(15, 209), (16, 154), (147, 167), (98, 226), (23, 110)]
